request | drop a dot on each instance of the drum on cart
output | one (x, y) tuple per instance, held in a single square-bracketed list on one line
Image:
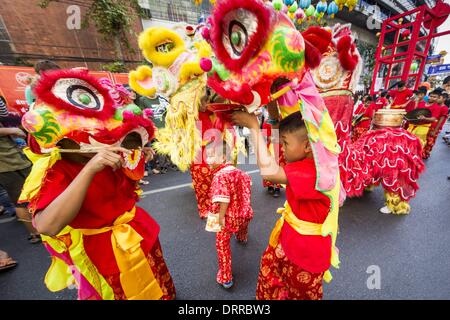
[(388, 118)]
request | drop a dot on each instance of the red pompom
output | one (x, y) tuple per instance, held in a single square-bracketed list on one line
[(312, 55), (347, 53), (318, 37), (128, 115), (317, 41), (148, 113)]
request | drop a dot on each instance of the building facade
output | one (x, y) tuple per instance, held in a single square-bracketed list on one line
[(29, 33), (169, 12)]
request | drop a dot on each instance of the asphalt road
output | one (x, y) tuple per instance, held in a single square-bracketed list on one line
[(410, 252)]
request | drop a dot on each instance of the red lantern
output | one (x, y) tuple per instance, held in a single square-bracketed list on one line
[(405, 33)]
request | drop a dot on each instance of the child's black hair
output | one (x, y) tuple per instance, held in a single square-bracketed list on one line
[(440, 91), (421, 89), (446, 80), (45, 65), (436, 92), (401, 84), (292, 123)]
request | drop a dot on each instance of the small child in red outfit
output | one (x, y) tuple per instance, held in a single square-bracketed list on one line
[(230, 196)]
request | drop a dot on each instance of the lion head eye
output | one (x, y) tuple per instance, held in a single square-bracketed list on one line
[(78, 93), (239, 28)]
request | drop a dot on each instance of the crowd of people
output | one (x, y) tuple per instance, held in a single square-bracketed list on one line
[(426, 128)]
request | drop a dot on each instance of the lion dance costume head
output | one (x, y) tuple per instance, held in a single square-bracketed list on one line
[(259, 48), (75, 107), (176, 56)]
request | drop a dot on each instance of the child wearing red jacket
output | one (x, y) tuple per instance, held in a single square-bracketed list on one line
[(294, 264), (230, 195)]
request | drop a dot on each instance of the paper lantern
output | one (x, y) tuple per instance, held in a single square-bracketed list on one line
[(304, 4), (318, 15), (350, 4), (340, 3), (322, 6), (332, 9), (293, 7), (300, 14), (310, 11), (277, 4)]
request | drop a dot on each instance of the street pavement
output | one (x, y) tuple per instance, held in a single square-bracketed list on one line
[(410, 253)]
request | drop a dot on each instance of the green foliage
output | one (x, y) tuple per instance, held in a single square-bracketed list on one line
[(19, 61), (367, 52), (115, 67)]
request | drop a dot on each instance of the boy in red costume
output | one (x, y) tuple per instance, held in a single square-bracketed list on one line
[(231, 198), (294, 266), (200, 170), (401, 96), (419, 102)]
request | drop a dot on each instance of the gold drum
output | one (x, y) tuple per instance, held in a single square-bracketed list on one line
[(389, 118)]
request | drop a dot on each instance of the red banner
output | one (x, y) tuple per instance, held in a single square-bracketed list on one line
[(14, 80), (101, 74), (121, 78)]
